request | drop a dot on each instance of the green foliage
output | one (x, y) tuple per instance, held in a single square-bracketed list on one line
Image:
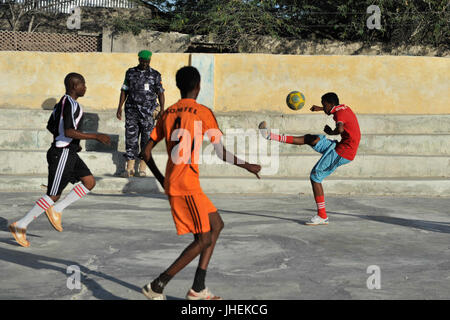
[(234, 22), (231, 21), (136, 25)]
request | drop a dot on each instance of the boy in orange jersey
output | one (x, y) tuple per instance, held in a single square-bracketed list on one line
[(183, 126)]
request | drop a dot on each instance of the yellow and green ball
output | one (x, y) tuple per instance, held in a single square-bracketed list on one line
[(295, 100)]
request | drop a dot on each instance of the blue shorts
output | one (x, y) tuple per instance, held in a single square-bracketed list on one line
[(329, 161)]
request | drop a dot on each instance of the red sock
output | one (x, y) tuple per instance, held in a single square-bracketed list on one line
[(281, 138), (321, 212)]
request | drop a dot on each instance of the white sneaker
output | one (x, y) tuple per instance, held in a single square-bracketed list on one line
[(205, 294), (152, 295), (316, 220), (264, 130)]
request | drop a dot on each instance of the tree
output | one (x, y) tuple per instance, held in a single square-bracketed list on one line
[(16, 12)]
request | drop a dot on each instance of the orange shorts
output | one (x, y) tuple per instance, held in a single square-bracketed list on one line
[(191, 213)]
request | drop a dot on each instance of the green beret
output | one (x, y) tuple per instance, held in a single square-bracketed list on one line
[(144, 54)]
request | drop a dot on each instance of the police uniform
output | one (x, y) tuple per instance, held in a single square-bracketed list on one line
[(143, 88), (64, 164)]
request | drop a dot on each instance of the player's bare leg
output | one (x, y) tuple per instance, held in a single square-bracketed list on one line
[(202, 245), (317, 188), (88, 182), (308, 139), (154, 290), (55, 198), (216, 224), (311, 140), (321, 218), (199, 291)]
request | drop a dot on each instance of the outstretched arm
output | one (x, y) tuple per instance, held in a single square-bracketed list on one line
[(315, 108), (229, 157), (76, 134), (147, 156)]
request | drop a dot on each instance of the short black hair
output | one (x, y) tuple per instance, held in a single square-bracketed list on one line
[(187, 79), (71, 78), (331, 97)]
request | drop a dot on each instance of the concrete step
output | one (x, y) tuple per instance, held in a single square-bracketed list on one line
[(287, 165), (304, 122), (35, 139), (315, 122), (434, 144), (301, 186)]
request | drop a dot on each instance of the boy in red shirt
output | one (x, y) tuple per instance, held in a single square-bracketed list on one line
[(334, 153)]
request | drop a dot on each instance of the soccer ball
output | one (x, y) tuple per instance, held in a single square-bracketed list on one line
[(295, 100)]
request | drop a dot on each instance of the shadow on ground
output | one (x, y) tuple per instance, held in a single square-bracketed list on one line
[(261, 215), (433, 226), (34, 261), (4, 227)]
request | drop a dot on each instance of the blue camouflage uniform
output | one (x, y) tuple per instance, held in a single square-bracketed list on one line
[(143, 88)]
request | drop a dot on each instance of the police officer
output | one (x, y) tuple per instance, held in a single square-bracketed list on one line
[(141, 90)]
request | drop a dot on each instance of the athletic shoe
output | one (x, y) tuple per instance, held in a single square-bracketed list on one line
[(264, 130), (152, 295), (54, 218), (205, 294), (316, 220), (19, 234)]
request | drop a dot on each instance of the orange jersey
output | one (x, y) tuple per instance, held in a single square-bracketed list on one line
[(183, 125)]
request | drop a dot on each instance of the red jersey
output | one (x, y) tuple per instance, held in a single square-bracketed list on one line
[(351, 136)]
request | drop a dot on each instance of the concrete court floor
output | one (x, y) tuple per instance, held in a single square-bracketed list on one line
[(122, 241)]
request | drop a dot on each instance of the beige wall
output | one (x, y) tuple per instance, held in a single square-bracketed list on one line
[(34, 79), (242, 82), (369, 84)]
